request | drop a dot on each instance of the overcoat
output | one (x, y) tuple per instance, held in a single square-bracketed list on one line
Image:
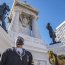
[(11, 57)]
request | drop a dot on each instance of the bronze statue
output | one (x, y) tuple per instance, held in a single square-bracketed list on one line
[(55, 59), (4, 9), (51, 33)]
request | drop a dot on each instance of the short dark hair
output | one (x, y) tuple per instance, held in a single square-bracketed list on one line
[(20, 41)]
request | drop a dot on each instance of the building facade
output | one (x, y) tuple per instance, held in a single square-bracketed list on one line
[(60, 32)]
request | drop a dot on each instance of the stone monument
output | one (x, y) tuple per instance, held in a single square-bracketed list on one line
[(23, 22)]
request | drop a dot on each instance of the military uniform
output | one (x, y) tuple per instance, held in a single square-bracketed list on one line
[(11, 57)]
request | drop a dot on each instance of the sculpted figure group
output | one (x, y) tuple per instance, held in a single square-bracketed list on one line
[(55, 59)]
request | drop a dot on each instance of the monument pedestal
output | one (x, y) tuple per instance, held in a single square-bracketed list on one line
[(34, 45), (58, 48)]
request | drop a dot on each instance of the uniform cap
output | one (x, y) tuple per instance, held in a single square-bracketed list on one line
[(20, 41)]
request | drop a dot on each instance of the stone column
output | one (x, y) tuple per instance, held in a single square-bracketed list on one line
[(15, 22), (35, 29), (14, 25)]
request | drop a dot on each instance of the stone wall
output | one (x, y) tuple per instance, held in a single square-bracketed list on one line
[(34, 45)]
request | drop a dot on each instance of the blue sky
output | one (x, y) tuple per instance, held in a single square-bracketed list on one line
[(52, 11)]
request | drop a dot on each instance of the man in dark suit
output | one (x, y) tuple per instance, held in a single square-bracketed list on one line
[(17, 55)]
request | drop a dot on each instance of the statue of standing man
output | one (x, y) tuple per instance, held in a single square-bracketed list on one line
[(4, 9), (51, 33)]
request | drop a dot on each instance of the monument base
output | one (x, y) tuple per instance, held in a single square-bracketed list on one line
[(34, 45)]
